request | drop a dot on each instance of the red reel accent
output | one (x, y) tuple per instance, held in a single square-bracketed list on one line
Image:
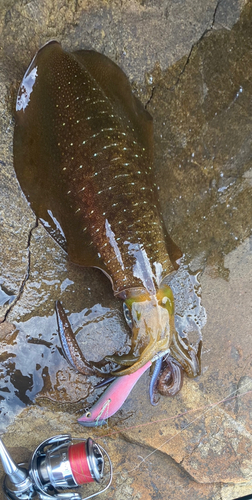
[(79, 464)]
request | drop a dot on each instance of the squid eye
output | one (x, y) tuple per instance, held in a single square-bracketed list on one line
[(127, 315)]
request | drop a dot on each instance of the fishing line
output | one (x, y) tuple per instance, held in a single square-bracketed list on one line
[(228, 398), (208, 408)]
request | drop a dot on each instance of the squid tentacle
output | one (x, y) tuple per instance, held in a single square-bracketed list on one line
[(171, 379), (70, 347), (187, 356)]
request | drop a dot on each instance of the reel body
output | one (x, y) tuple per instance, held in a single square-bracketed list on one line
[(57, 465)]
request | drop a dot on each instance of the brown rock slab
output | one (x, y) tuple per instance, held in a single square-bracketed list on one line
[(191, 446)]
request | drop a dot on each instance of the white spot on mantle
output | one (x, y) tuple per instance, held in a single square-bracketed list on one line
[(111, 237)]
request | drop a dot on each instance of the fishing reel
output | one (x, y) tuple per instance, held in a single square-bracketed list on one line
[(58, 464)]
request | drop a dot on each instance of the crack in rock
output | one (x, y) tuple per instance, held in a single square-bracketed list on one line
[(27, 273), (195, 44), (133, 441), (207, 30), (150, 98), (189, 454)]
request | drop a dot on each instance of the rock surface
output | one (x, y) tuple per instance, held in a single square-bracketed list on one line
[(190, 63)]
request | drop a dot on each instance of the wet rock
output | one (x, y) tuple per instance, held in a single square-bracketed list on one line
[(198, 89), (6, 329), (203, 143)]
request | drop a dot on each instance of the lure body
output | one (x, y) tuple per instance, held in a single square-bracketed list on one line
[(154, 380), (83, 154), (112, 399)]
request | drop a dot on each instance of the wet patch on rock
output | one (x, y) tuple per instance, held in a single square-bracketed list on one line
[(192, 444)]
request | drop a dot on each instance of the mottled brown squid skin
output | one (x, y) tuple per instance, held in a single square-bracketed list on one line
[(83, 154)]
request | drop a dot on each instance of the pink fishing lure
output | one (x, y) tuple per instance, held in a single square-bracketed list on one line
[(112, 399)]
